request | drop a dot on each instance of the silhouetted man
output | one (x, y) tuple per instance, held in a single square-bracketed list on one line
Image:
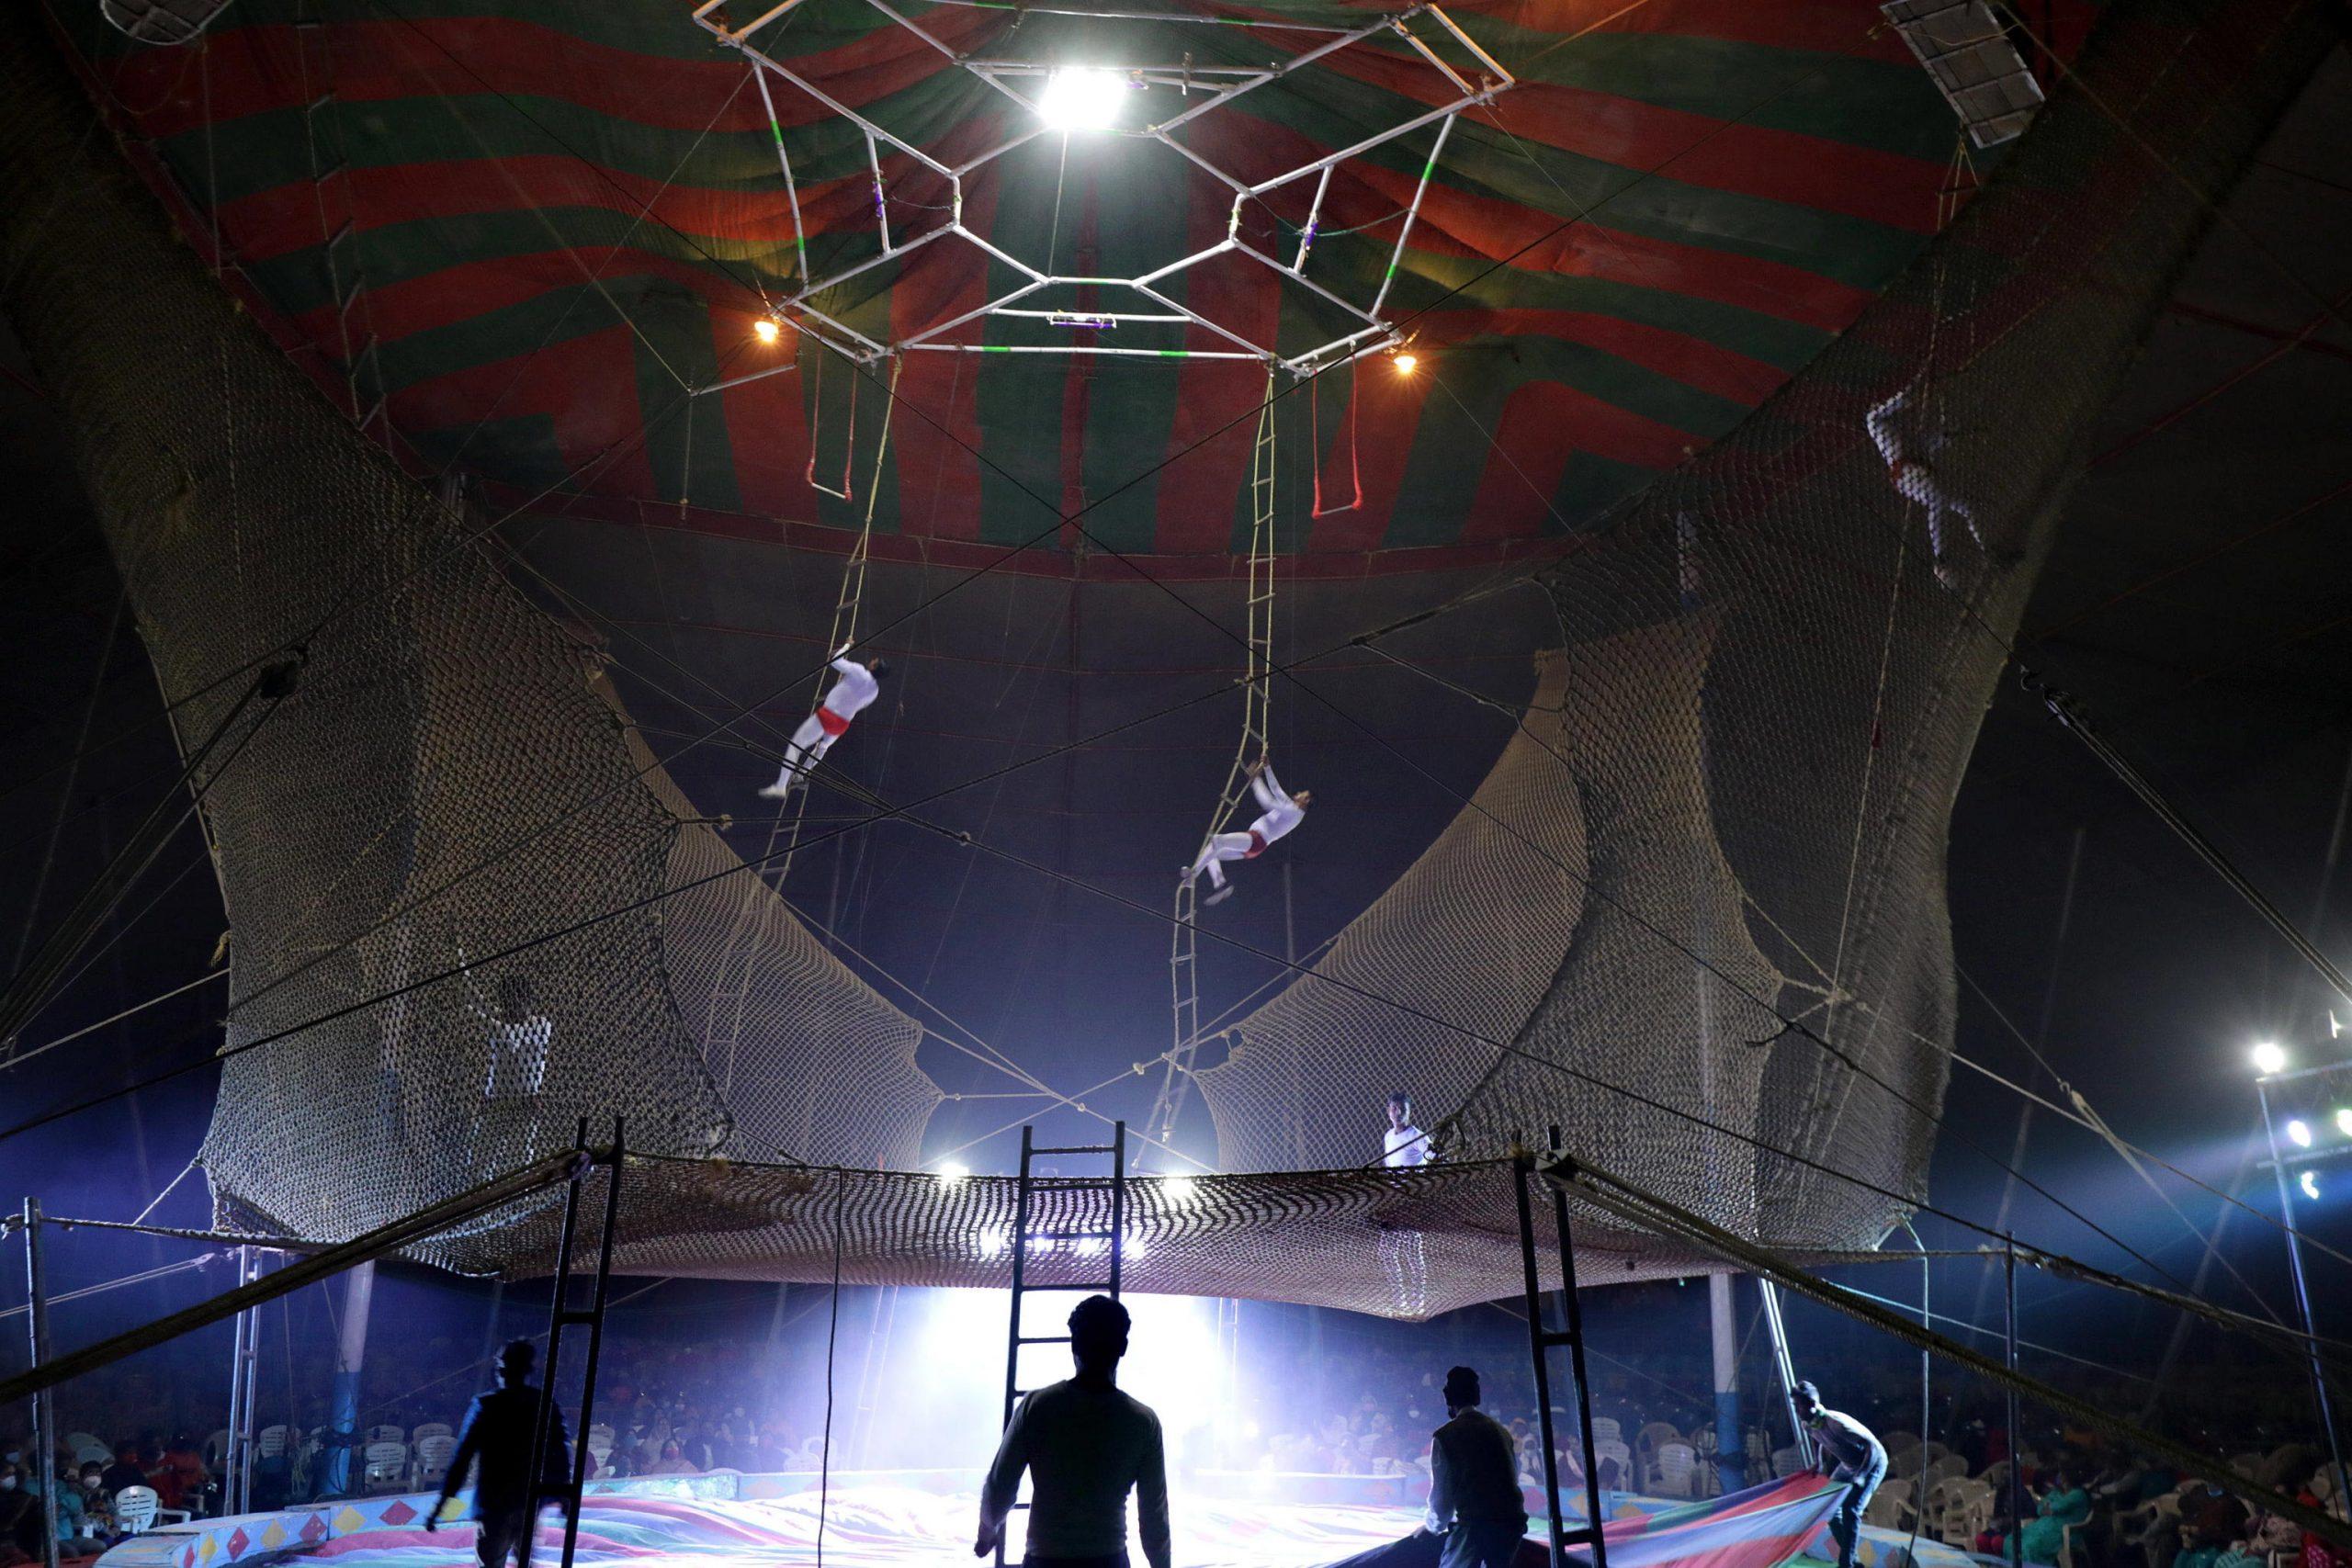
[(496, 1441), (1085, 1445), (1853, 1457), (1474, 1483)]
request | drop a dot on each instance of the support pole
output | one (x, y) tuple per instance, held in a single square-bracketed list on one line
[(244, 1368), (2303, 1295), (351, 1358), (45, 1405), (2009, 1354), (1730, 1447), (1778, 1328)]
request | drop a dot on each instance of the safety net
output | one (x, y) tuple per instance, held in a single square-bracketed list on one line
[(1695, 919)]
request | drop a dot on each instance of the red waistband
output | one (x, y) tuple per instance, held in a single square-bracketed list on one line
[(832, 723), (1257, 844)]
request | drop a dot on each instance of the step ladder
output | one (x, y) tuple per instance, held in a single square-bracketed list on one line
[(1049, 1241)]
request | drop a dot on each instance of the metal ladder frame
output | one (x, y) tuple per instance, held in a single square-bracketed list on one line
[(1183, 955), (1116, 1185), (562, 1314), (1540, 1342)]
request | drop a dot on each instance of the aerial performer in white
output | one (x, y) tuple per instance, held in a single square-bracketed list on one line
[(1281, 813), (1907, 466), (852, 695)]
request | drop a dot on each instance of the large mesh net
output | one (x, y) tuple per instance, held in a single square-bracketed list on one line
[(1726, 810)]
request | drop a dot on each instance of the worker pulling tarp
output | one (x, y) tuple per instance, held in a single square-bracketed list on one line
[(1762, 1526)]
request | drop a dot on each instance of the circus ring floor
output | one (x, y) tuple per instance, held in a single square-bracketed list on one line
[(875, 1520)]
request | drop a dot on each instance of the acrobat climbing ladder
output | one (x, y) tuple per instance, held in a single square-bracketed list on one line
[(1183, 968), (1108, 1243), (723, 1022)]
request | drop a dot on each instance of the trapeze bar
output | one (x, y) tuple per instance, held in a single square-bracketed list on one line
[(1083, 348)]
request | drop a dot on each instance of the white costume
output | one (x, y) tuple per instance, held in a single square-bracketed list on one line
[(1280, 816), (1404, 1147), (851, 695), (1915, 480)]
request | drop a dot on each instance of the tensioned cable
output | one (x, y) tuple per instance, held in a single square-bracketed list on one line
[(18, 1058)]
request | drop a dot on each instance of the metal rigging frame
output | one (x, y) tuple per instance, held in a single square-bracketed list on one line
[(1479, 81)]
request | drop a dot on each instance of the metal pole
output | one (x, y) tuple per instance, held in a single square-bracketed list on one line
[(1118, 1206), (358, 1296), (1778, 1328), (240, 1334), (2303, 1293), (2009, 1352), (44, 1405), (1731, 1458), (1523, 1171)]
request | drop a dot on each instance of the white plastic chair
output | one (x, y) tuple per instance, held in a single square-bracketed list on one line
[(1603, 1452), (433, 1452), (76, 1441), (270, 1441), (386, 1468), (430, 1429), (1606, 1430), (93, 1453), (386, 1435), (1890, 1507), (1674, 1471), (216, 1449), (1950, 1467), (137, 1510)]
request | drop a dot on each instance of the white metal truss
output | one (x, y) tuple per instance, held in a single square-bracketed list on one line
[(1183, 955), (1477, 80)]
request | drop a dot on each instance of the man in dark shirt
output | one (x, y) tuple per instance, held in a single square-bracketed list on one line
[(1852, 1456), (125, 1470), (1474, 1500), (496, 1441)]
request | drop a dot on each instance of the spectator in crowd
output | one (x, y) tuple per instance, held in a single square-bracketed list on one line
[(2063, 1503), (179, 1474), (20, 1517), (673, 1462), (2210, 1520), (125, 1470)]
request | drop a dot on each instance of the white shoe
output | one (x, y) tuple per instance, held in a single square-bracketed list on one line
[(1220, 896), (777, 792)]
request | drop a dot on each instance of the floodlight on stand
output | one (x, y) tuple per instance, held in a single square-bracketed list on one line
[(2269, 1058), (2299, 1132), (1082, 98)]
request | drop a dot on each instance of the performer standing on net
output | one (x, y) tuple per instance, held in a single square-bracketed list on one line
[(1404, 1145), (1859, 1460), (1907, 466), (499, 1429), (852, 695), (1281, 813), (1085, 1445), (1474, 1501)]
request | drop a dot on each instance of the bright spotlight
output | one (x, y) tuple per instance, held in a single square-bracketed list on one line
[(2299, 1132), (2309, 1183), (2269, 1058), (1178, 1190), (992, 1243), (2344, 1119), (766, 329), (953, 1171), (1405, 363), (1082, 98)]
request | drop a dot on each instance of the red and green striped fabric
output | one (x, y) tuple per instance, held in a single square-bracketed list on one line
[(548, 218)]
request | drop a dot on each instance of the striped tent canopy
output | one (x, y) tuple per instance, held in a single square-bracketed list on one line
[(522, 239)]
